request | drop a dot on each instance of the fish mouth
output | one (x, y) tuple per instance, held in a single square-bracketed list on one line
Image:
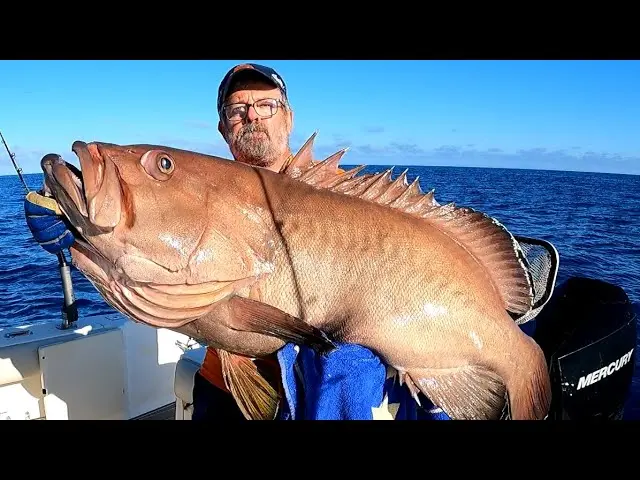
[(90, 197), (92, 164), (64, 182)]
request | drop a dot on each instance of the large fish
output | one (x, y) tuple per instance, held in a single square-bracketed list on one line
[(245, 260)]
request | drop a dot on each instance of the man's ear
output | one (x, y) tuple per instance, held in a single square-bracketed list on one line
[(222, 130)]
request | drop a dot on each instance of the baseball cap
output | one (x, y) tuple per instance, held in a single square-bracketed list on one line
[(267, 73)]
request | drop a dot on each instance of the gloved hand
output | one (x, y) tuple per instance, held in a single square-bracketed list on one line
[(45, 223)]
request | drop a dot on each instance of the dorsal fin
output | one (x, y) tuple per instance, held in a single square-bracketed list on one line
[(483, 236), (303, 160)]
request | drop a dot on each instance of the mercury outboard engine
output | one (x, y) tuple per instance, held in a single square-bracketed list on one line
[(588, 333)]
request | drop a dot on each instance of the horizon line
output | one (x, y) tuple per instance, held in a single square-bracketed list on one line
[(394, 165)]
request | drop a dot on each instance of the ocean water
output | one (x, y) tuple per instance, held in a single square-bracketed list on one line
[(592, 219)]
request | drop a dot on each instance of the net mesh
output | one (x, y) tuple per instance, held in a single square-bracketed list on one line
[(543, 260)]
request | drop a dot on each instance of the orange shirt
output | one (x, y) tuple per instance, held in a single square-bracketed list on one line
[(211, 370)]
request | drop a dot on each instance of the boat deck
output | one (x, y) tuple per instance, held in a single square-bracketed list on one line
[(168, 412)]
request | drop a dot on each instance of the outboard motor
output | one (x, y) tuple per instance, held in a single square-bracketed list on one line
[(588, 333)]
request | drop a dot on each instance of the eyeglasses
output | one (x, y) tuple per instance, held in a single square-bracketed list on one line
[(265, 108)]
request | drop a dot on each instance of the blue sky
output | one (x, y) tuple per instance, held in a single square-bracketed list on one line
[(568, 115)]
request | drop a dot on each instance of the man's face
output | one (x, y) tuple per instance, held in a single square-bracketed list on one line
[(255, 140)]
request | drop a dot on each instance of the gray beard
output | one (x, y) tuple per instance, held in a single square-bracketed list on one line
[(255, 149), (255, 153)]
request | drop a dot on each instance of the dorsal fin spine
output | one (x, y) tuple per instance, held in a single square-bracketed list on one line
[(495, 248)]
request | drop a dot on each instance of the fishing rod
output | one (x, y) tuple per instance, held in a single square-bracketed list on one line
[(69, 307)]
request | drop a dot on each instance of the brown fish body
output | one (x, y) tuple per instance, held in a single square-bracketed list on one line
[(362, 259), (395, 283)]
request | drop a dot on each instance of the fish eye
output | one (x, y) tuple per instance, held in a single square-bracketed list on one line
[(158, 164), (165, 164)]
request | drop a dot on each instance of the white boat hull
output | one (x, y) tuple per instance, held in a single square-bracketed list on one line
[(107, 368)]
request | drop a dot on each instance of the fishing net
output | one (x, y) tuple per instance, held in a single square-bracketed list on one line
[(543, 262)]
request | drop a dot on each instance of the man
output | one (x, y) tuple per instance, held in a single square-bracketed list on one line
[(256, 121)]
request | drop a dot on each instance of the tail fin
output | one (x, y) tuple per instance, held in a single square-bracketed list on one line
[(474, 392)]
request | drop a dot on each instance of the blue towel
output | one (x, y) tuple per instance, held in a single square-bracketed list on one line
[(350, 383)]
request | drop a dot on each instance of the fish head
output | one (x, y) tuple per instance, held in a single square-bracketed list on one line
[(152, 220)]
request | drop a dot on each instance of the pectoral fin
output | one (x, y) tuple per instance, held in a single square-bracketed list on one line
[(254, 316)]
